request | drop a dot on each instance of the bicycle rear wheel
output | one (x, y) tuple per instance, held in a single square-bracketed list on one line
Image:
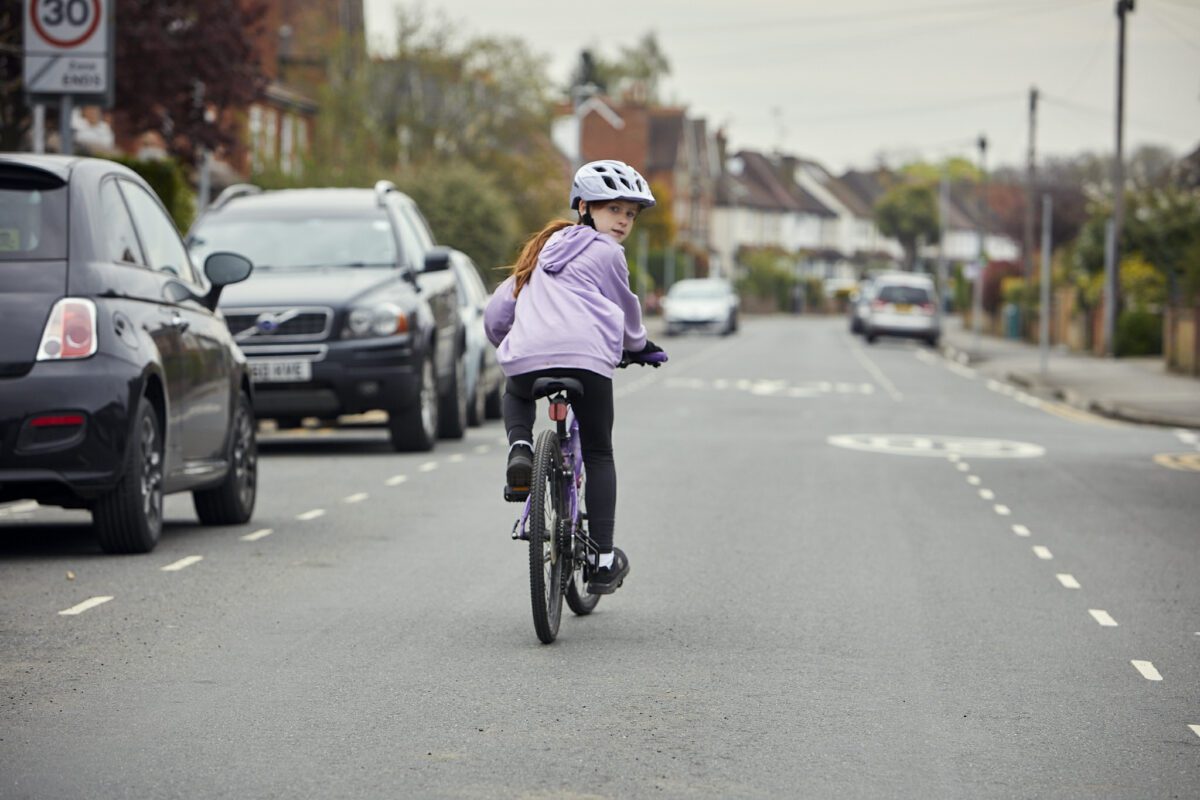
[(578, 598), (545, 525)]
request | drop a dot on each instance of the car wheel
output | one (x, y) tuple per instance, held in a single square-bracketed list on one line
[(932, 341), (452, 416), (232, 501), (413, 427), (871, 338), (129, 518), (477, 399)]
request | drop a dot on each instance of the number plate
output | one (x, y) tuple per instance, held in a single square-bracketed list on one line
[(903, 308), (281, 370)]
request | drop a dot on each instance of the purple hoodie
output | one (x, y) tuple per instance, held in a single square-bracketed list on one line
[(575, 311)]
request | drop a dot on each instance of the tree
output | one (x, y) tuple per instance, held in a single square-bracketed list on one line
[(908, 213), (176, 60), (14, 112)]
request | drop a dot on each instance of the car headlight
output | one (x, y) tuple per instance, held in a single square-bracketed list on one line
[(385, 319)]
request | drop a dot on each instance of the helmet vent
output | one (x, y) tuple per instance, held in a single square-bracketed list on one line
[(610, 183)]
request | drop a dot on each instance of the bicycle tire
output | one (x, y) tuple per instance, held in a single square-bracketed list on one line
[(545, 518), (578, 598)]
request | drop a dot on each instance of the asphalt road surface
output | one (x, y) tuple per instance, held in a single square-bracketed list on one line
[(857, 571)]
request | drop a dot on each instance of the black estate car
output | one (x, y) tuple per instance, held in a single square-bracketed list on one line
[(119, 381), (352, 307)]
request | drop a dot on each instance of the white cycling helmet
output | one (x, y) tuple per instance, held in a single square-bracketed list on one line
[(610, 180)]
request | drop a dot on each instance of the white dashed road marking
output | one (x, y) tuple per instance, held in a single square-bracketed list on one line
[(1147, 669), (974, 480), (456, 458), (1067, 580), (954, 458), (1042, 552), (259, 534), (84, 606), (1195, 729), (311, 515), (1020, 530), (877, 374), (987, 494), (1002, 510), (356, 498), (396, 480), (482, 448), (182, 563), (428, 466), (1102, 616), (964, 467)]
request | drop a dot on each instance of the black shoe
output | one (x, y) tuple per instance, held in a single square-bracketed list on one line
[(520, 468), (606, 581)]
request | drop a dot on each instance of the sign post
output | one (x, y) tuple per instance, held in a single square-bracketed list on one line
[(69, 55)]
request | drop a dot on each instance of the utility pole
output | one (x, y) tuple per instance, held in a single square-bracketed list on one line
[(942, 280), (1112, 297), (981, 228), (1030, 194), (1044, 314)]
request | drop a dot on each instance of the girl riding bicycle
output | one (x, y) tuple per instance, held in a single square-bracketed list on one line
[(567, 311)]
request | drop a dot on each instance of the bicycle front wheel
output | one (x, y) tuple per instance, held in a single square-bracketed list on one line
[(546, 516)]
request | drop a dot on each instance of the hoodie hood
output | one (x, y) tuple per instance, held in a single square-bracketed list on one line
[(564, 246)]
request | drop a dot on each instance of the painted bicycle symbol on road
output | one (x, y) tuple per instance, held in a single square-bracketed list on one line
[(901, 444)]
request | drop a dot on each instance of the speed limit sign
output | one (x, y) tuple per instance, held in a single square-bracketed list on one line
[(68, 46)]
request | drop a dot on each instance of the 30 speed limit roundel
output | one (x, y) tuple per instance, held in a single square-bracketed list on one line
[(65, 23)]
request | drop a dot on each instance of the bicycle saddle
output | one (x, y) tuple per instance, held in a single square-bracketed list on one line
[(544, 387)]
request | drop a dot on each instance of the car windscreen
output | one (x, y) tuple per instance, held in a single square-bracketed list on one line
[(697, 291), (33, 215), (912, 295), (299, 242)]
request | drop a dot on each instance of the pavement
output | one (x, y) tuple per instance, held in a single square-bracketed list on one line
[(1132, 389)]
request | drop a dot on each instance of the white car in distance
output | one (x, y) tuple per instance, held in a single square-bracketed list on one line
[(707, 304)]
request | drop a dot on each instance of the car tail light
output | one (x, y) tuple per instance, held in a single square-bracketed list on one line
[(927, 308), (878, 305), (57, 421), (70, 332)]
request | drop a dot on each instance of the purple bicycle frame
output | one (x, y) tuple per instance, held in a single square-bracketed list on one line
[(572, 452)]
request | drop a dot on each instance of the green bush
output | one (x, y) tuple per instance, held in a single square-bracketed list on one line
[(1139, 333), (767, 275), (169, 182)]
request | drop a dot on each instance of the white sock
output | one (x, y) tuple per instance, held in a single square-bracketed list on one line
[(606, 560)]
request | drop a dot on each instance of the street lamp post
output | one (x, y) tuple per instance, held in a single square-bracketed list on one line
[(981, 228), (1112, 280)]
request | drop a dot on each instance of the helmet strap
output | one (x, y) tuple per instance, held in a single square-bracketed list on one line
[(586, 217)]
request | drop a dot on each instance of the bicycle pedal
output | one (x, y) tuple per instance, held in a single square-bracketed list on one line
[(516, 495), (517, 533)]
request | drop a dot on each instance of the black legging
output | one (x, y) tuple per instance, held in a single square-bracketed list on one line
[(595, 414)]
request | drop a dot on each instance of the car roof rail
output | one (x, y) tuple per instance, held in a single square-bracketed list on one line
[(234, 191), (381, 190)]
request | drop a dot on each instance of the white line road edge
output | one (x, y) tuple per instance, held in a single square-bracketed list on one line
[(258, 534), (90, 603), (182, 563), (1147, 669), (877, 373)]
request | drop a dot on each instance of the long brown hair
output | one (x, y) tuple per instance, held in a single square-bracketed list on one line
[(526, 262)]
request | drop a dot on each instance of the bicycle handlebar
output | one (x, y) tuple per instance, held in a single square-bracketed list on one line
[(656, 359)]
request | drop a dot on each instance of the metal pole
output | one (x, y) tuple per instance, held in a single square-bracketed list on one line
[(1044, 315), (1030, 188), (66, 144), (39, 128), (1113, 282), (981, 262), (1110, 271), (943, 193), (643, 265)]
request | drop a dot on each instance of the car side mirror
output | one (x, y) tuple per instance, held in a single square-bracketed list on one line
[(437, 260), (223, 269)]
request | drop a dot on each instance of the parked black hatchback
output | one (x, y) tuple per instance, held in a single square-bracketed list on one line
[(119, 382)]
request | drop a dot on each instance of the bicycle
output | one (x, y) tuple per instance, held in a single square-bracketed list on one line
[(553, 520)]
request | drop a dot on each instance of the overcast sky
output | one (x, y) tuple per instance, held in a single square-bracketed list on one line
[(846, 82)]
